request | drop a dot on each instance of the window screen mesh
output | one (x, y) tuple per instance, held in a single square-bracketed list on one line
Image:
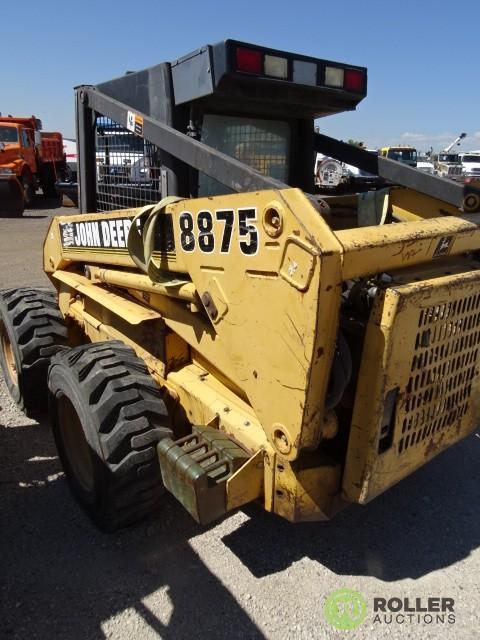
[(262, 144), (128, 168)]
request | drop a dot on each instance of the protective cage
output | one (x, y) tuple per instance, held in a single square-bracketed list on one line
[(408, 409), (127, 167)]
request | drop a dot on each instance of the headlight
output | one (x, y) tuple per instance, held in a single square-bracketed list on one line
[(5, 171)]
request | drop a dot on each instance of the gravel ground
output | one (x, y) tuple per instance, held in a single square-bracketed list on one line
[(250, 576)]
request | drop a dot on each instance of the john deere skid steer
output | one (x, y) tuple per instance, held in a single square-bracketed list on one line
[(223, 332)]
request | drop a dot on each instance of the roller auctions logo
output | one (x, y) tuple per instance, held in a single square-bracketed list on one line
[(345, 609)]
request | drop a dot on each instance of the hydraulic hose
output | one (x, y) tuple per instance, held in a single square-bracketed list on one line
[(141, 242), (341, 372)]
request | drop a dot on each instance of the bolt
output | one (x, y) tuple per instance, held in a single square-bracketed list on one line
[(227, 409), (246, 423), (281, 442), (209, 305)]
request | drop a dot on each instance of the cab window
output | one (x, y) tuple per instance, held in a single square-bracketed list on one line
[(25, 139), (8, 135), (262, 144)]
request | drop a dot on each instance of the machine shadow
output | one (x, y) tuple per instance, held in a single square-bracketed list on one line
[(42, 203), (429, 521), (61, 578)]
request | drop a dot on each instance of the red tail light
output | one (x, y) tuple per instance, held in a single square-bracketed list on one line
[(248, 60), (354, 80)]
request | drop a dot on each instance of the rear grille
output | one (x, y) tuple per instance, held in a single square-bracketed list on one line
[(418, 389), (442, 369)]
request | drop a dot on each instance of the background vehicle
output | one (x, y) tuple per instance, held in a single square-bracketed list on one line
[(29, 158), (332, 176), (447, 164), (424, 163), (70, 150), (329, 173), (470, 163), (400, 153), (262, 343), (358, 177), (120, 156)]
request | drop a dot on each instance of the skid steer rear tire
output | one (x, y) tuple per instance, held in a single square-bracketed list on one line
[(32, 330), (108, 416)]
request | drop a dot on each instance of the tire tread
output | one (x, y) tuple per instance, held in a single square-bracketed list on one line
[(130, 418), (39, 332)]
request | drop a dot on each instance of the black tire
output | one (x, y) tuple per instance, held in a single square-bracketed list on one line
[(48, 178), (108, 416), (28, 189), (49, 189), (32, 330)]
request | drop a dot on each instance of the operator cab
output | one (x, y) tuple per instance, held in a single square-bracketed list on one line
[(258, 105), (253, 103)]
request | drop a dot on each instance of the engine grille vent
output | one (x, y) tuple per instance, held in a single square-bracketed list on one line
[(442, 369), (418, 389)]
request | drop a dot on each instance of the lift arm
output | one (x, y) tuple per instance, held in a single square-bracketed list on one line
[(465, 197), (240, 177)]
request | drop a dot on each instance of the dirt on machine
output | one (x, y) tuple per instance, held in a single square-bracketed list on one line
[(219, 331), (29, 158)]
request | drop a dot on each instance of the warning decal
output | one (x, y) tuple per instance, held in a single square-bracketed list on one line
[(135, 123)]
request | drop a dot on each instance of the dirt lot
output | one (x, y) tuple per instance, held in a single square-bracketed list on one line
[(250, 576)]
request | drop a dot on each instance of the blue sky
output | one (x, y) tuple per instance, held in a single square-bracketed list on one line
[(423, 57)]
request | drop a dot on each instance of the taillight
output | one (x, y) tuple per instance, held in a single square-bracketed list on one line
[(334, 77), (306, 72), (276, 67), (354, 80), (248, 60)]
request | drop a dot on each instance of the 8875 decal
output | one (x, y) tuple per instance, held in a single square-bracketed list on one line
[(198, 232)]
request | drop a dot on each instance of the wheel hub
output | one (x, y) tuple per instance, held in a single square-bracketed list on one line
[(8, 355), (75, 444)]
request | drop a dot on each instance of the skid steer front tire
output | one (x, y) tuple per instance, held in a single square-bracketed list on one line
[(108, 416), (32, 330)]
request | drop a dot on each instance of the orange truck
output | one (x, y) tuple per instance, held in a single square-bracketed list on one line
[(29, 158)]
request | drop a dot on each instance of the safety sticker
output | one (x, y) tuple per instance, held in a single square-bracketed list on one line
[(443, 246), (135, 123)]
